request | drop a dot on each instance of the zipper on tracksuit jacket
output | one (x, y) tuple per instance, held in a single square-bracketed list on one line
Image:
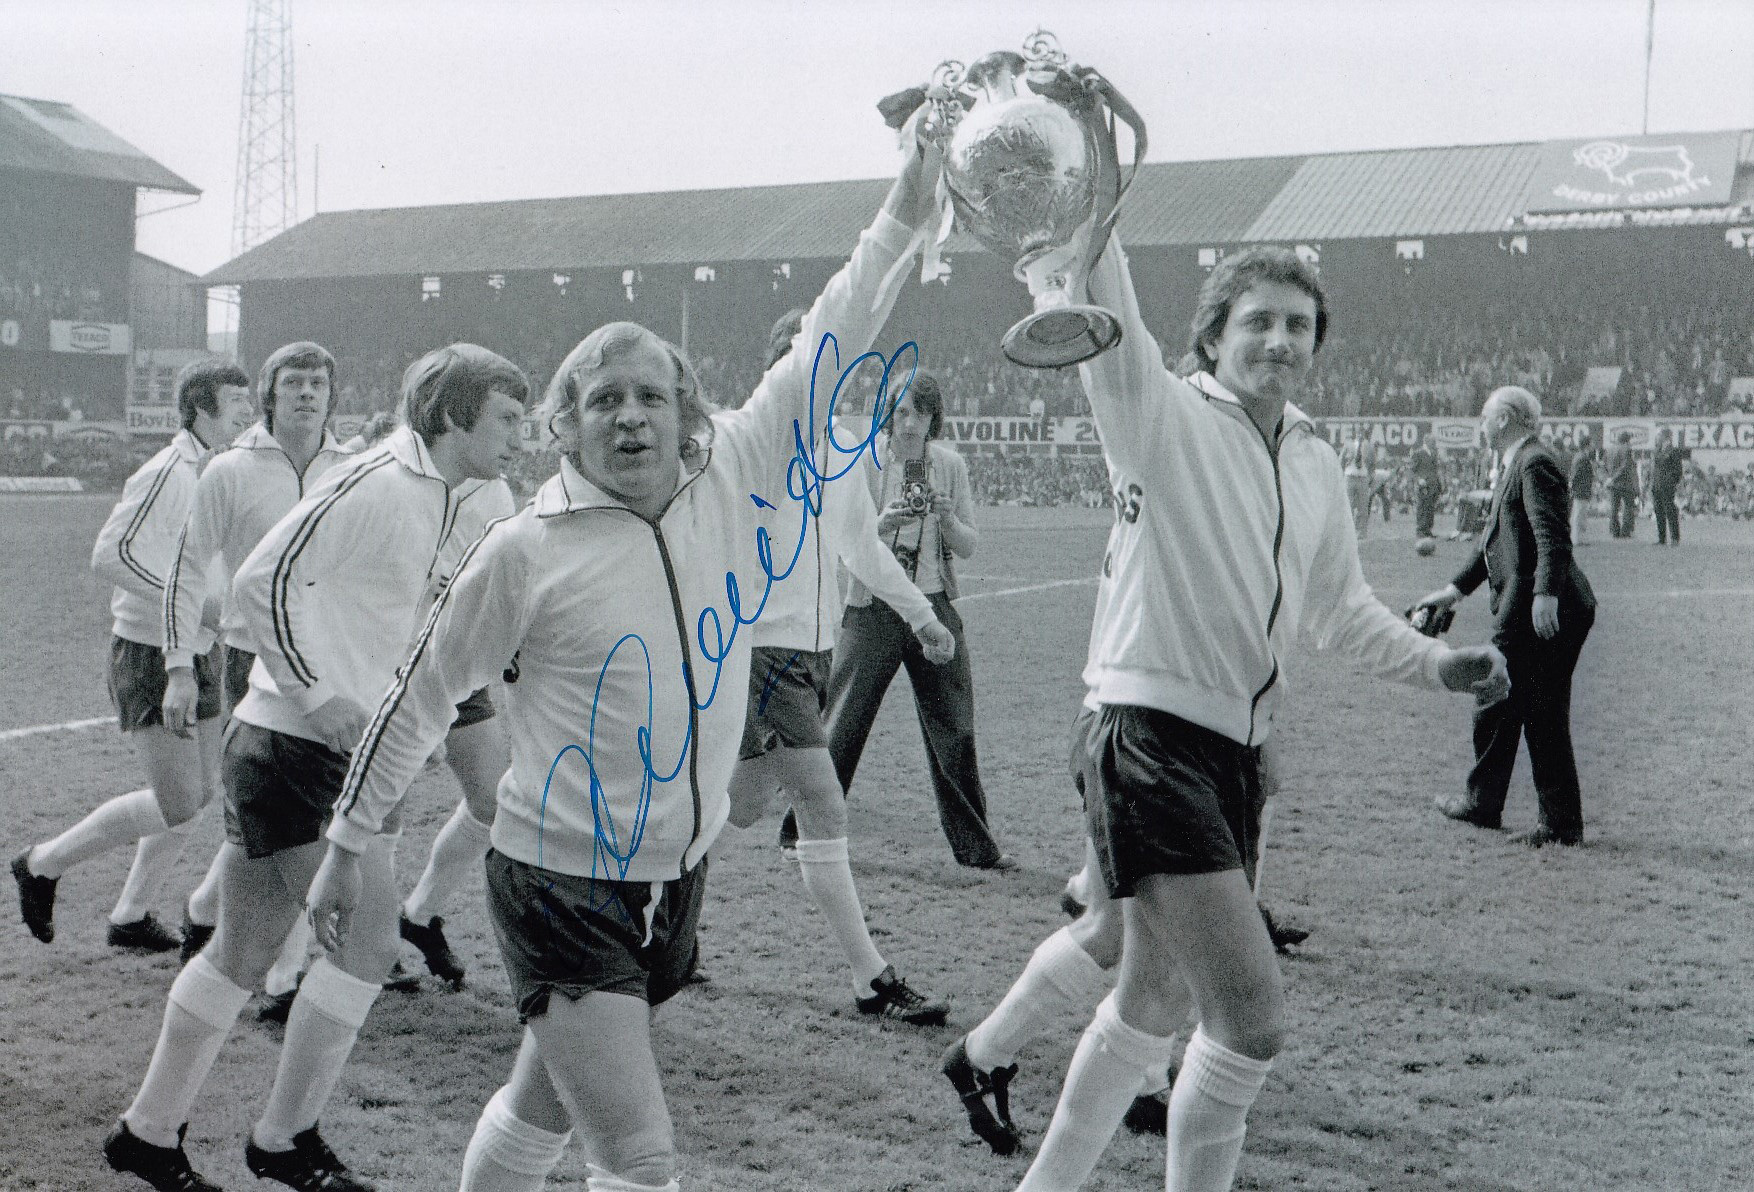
[(1278, 577), (688, 681)]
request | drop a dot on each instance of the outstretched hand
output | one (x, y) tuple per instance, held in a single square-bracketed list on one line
[(1477, 669)]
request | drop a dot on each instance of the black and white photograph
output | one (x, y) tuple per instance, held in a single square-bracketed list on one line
[(815, 596)]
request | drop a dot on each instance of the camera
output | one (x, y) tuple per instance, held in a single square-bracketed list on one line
[(1431, 620), (914, 493)]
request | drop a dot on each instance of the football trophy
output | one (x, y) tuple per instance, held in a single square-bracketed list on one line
[(1032, 171)]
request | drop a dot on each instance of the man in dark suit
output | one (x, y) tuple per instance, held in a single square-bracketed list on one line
[(1427, 485), (1583, 487), (1622, 487), (1665, 477), (1542, 610)]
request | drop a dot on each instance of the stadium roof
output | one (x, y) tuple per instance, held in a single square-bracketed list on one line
[(1383, 193), (45, 137)]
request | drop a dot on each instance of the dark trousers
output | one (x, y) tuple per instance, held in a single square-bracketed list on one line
[(1668, 517), (1622, 513), (1424, 511), (874, 643), (1538, 709)]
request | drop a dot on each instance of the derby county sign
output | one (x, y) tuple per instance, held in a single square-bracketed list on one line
[(1686, 170)]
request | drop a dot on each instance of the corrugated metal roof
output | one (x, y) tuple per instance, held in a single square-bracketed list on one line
[(669, 227), (1405, 192), (1388, 193), (44, 137), (1202, 202)]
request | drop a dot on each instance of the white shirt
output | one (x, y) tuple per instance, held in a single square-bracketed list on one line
[(1230, 549), (137, 547), (334, 592), (243, 491)]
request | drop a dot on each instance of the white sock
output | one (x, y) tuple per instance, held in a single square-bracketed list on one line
[(204, 899), (1108, 1070), (828, 879), (198, 1015), (1208, 1115), (598, 1180), (456, 853), (154, 858), (321, 1029), (508, 1154), (1060, 976), (283, 977), (112, 824)]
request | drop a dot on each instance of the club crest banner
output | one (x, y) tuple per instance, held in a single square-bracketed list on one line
[(1685, 170)]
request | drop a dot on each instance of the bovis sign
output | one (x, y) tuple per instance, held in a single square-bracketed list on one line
[(1627, 173)]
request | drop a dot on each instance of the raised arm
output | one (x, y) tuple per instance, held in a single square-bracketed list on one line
[(852, 308), (1127, 384)]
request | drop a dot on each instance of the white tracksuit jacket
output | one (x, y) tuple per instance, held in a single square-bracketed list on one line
[(632, 669), (243, 491), (1230, 548), (137, 547), (333, 594)]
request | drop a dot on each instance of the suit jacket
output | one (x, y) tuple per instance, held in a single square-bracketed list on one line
[(1583, 476), (1526, 549), (1622, 470), (1423, 462)]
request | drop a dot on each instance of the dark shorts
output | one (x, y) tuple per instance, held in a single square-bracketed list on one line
[(579, 935), (279, 789), (1166, 796), (477, 708), (237, 675), (788, 695), (1075, 758), (137, 683)]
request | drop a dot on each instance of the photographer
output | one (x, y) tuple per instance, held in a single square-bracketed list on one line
[(926, 518)]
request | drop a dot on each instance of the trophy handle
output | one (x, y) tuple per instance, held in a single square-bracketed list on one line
[(1061, 332), (1120, 108)]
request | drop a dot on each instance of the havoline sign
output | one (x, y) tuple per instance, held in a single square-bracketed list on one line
[(1628, 173)]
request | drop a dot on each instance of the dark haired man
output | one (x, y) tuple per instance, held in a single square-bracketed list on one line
[(927, 521), (136, 552), (330, 596), (1234, 541), (242, 493)]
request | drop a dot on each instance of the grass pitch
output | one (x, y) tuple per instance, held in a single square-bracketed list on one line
[(1466, 1015)]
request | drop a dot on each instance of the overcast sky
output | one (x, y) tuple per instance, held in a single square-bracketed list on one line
[(443, 101)]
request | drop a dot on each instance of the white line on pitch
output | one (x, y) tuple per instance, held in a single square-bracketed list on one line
[(66, 726), (1059, 583), (69, 726)]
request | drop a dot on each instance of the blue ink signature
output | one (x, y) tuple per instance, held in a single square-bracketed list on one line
[(774, 675), (804, 478)]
